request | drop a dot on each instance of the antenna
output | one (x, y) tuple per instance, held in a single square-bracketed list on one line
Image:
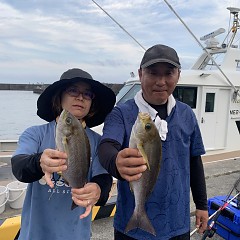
[(213, 34), (235, 26), (211, 42), (233, 10), (132, 74)]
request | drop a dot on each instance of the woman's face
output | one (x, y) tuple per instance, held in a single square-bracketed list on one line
[(77, 99)]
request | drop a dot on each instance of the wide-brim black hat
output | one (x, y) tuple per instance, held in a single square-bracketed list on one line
[(104, 96)]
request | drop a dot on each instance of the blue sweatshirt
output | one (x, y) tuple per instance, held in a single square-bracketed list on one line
[(44, 218), (168, 206)]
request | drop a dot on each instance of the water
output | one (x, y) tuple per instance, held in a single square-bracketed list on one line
[(17, 112)]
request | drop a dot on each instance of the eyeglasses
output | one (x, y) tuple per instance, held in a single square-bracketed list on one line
[(75, 92)]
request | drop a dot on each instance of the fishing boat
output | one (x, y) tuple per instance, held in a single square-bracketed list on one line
[(211, 88), (39, 89)]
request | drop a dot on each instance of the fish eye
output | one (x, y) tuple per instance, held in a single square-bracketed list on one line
[(148, 126), (68, 121)]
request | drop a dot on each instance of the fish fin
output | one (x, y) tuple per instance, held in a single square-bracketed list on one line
[(66, 182), (140, 220), (52, 192), (141, 150), (64, 142), (65, 145), (74, 205)]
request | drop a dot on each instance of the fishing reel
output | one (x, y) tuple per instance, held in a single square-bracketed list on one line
[(209, 233)]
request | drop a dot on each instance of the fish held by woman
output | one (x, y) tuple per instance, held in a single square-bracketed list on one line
[(72, 139), (145, 137)]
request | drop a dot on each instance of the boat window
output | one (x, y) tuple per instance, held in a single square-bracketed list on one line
[(187, 95), (123, 91), (127, 92), (210, 98), (238, 125)]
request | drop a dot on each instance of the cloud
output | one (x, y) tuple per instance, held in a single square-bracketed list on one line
[(56, 35)]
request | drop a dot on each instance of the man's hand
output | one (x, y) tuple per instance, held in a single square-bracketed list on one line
[(201, 220), (130, 164)]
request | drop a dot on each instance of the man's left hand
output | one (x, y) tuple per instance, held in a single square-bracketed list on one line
[(201, 220)]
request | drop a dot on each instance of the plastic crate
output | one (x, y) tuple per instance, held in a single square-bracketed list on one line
[(228, 223)]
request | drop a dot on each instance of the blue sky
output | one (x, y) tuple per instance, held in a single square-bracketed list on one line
[(40, 39)]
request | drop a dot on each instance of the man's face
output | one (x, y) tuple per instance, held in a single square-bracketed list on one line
[(158, 82)]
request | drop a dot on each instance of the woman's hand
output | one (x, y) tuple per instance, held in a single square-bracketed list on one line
[(86, 197), (52, 161)]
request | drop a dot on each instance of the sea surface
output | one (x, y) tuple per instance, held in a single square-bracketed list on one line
[(18, 111)]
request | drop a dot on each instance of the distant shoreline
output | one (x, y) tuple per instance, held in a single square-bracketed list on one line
[(30, 87), (20, 86)]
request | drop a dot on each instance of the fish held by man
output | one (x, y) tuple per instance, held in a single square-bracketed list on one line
[(72, 139), (145, 137)]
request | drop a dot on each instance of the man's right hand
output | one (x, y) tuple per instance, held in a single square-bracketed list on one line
[(130, 164)]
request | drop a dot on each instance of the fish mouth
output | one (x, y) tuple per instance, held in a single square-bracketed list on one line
[(64, 113), (144, 118), (144, 115)]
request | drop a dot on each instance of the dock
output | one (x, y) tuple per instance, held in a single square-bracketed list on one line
[(221, 172)]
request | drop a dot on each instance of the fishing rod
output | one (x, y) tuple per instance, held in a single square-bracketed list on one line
[(120, 25), (217, 213), (203, 48), (210, 231)]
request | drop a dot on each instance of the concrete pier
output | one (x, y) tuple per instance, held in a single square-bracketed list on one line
[(30, 87), (221, 173)]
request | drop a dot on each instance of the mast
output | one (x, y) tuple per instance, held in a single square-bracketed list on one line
[(235, 26), (234, 29)]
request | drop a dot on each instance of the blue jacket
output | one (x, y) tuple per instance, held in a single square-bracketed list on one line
[(44, 218), (168, 207)]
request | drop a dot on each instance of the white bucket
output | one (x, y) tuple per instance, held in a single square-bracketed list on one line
[(17, 193), (3, 198)]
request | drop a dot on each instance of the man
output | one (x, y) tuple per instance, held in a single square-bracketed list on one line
[(168, 205)]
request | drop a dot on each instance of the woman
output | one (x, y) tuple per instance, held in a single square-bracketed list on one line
[(46, 212)]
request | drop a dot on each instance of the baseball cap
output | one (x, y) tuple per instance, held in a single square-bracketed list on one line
[(160, 53)]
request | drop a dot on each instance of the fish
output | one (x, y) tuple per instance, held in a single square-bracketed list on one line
[(72, 139), (145, 137)]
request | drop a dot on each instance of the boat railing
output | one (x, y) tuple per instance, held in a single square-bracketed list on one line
[(8, 145)]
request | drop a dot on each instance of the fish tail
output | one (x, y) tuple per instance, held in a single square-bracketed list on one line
[(74, 205), (140, 220)]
